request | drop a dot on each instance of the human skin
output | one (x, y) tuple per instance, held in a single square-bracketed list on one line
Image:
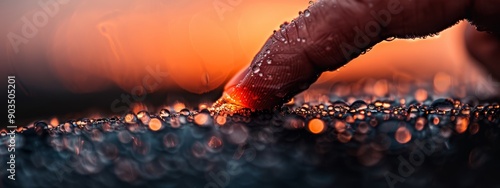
[(332, 32)]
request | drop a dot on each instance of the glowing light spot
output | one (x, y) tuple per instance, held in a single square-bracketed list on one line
[(442, 82), (420, 95), (130, 118), (201, 119), (220, 120), (380, 88), (316, 126), (420, 123), (461, 124), (178, 106), (435, 120), (155, 124), (403, 135), (54, 121)]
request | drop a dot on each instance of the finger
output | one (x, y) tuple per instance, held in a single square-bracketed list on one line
[(331, 33), (485, 48)]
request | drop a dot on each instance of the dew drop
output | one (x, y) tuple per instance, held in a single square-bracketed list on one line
[(307, 13), (269, 61), (256, 69)]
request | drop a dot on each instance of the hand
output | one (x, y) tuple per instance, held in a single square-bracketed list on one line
[(330, 33)]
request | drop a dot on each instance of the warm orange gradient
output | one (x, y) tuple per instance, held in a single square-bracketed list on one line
[(198, 45)]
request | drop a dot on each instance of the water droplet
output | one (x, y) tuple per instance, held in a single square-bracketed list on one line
[(307, 13), (260, 74), (269, 61), (164, 114), (185, 112), (303, 40), (390, 39), (268, 51), (256, 69), (442, 105)]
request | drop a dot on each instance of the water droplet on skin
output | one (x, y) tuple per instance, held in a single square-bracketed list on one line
[(260, 74), (268, 51), (303, 40), (390, 39), (256, 69), (269, 61), (307, 13)]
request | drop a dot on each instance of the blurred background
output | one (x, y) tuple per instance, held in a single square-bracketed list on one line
[(76, 58)]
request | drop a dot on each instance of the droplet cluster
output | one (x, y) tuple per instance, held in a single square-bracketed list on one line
[(296, 145)]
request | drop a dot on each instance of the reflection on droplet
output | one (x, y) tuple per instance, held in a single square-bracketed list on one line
[(256, 69), (316, 126), (164, 114), (184, 112), (307, 13), (130, 118), (403, 135)]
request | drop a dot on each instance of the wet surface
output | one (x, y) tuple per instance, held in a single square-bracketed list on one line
[(383, 143)]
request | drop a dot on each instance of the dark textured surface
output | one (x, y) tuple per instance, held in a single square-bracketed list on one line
[(361, 146)]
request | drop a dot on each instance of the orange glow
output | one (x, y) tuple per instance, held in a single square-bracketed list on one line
[(462, 124), (442, 82), (435, 120), (130, 118), (137, 107), (340, 126), (403, 135), (220, 120), (155, 124), (420, 95), (54, 121), (201, 119), (420, 123), (316, 126), (380, 88), (178, 106)]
